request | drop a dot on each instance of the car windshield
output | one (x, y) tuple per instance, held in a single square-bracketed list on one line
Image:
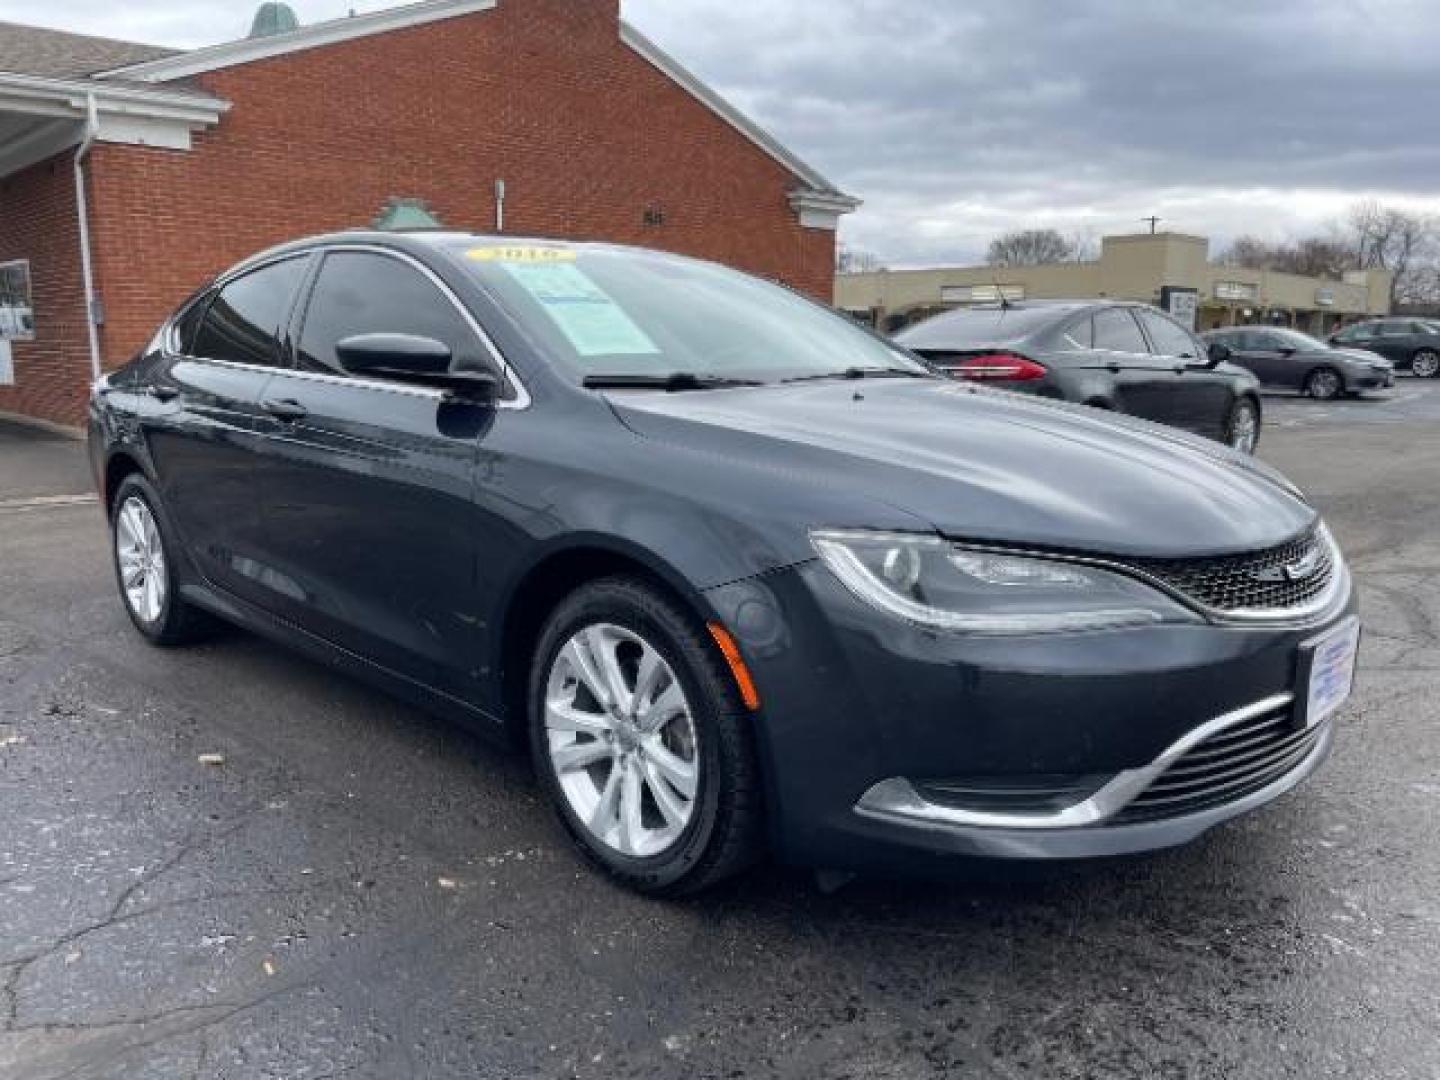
[(613, 314), (1296, 340), (977, 326)]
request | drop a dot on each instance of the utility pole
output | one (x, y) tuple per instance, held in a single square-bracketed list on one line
[(1154, 221)]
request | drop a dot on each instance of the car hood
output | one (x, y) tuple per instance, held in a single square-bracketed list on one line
[(983, 464)]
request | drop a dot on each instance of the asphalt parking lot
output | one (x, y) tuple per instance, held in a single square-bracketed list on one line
[(358, 890)]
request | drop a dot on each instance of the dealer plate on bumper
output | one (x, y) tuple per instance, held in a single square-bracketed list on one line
[(1327, 664)]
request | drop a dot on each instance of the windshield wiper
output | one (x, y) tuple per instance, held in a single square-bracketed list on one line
[(676, 380), (863, 373)]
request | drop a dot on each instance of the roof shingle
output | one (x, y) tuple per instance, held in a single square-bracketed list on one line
[(55, 54)]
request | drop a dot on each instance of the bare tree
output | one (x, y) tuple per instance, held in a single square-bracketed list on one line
[(1030, 247), (1403, 242), (852, 260)]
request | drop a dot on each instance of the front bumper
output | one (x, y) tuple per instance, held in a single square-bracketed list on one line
[(857, 705), (1372, 380)]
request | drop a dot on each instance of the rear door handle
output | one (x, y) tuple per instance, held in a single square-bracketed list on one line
[(162, 393), (285, 409)]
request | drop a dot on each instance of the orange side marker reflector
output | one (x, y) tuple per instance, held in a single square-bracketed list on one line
[(731, 652)]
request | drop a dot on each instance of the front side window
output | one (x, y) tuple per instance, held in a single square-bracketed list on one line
[(244, 322), (187, 326), (1359, 332), (1117, 331), (603, 312), (362, 292), (1166, 338)]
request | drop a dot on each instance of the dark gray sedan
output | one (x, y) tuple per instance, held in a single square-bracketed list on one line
[(1289, 360), (744, 578), (1123, 357)]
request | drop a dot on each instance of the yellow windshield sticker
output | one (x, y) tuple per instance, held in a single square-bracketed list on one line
[(520, 253)]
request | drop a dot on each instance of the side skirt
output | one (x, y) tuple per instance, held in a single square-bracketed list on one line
[(250, 617)]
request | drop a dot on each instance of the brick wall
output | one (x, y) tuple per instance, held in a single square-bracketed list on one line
[(37, 222), (542, 93)]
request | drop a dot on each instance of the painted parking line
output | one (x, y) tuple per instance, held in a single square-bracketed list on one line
[(45, 502)]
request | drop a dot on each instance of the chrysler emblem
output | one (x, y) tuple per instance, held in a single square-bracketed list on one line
[(1298, 570)]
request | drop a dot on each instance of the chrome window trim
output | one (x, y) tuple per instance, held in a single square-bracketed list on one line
[(895, 800), (522, 399)]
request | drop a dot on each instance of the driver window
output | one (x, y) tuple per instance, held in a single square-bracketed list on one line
[(361, 292)]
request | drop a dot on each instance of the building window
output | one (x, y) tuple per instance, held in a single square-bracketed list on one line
[(17, 314)]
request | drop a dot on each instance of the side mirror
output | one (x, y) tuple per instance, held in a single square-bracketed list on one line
[(1286, 350), (1218, 353), (408, 358)]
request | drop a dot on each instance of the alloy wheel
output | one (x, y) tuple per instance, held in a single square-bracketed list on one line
[(1244, 428), (141, 557), (1426, 364), (1324, 385), (622, 740)]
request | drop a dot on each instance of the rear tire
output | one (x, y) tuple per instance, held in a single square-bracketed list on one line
[(1242, 426), (1425, 364), (145, 556), (1325, 384), (682, 837)]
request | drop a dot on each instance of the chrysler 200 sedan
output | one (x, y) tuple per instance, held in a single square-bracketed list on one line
[(746, 579)]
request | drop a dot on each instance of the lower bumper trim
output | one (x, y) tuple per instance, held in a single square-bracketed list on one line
[(1093, 826)]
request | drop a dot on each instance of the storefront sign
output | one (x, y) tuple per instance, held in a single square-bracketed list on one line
[(980, 294), (1236, 290), (1182, 303)]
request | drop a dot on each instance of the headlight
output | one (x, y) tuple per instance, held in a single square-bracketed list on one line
[(937, 584)]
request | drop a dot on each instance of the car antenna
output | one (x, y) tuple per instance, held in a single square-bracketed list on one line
[(999, 292)]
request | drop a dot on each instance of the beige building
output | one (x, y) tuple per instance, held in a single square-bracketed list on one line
[(1170, 270)]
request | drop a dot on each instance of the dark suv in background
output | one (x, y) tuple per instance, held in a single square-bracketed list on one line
[(1407, 343), (1128, 358)]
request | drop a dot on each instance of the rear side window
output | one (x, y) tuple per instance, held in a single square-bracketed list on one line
[(1080, 334), (1166, 338), (360, 292), (1117, 330), (243, 324)]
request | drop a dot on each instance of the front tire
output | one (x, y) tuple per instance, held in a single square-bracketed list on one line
[(144, 555), (1324, 384), (1242, 426), (1426, 364), (641, 741)]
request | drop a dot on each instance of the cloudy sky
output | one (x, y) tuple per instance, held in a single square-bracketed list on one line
[(956, 120)]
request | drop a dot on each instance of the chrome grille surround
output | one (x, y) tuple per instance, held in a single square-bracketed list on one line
[(1204, 582), (1280, 579)]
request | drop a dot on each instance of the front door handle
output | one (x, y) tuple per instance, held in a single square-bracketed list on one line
[(285, 409)]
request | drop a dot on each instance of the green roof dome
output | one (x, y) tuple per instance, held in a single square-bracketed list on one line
[(272, 18)]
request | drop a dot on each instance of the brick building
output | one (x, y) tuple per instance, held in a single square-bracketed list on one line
[(549, 117)]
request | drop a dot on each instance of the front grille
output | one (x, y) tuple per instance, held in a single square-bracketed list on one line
[(1257, 581), (1227, 766)]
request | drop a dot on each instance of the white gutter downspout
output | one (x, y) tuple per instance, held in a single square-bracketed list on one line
[(92, 129)]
